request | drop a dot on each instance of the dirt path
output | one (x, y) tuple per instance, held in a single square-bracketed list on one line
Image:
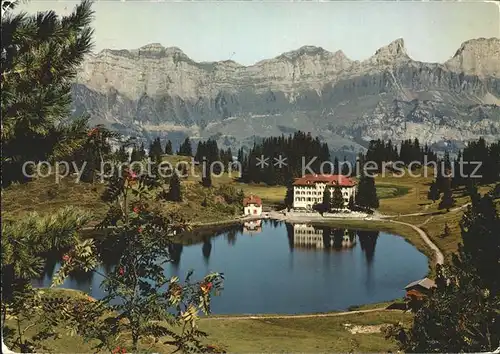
[(427, 240), (268, 317)]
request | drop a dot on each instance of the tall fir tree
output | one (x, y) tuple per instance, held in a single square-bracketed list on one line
[(433, 193), (337, 201), (326, 204), (289, 194), (41, 54), (461, 314), (174, 192), (447, 200), (155, 150), (168, 148), (121, 154), (135, 155), (206, 179), (142, 152), (346, 171), (366, 195), (336, 166), (185, 149)]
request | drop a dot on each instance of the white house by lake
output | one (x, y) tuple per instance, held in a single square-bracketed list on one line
[(252, 206)]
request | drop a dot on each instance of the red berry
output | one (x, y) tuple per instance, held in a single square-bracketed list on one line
[(66, 258), (121, 271), (132, 174), (136, 210), (139, 229)]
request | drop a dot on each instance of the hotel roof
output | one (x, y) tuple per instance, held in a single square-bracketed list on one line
[(333, 180)]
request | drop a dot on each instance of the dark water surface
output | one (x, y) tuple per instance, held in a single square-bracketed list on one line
[(274, 267)]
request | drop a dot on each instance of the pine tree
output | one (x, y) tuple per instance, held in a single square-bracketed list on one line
[(345, 167), (337, 201), (135, 155), (168, 148), (185, 148), (40, 57), (461, 313), (142, 152), (366, 195), (433, 193), (472, 191), (447, 200), (480, 227), (121, 154), (24, 242), (174, 192), (457, 179), (326, 204), (336, 166), (156, 151), (206, 179), (289, 196)]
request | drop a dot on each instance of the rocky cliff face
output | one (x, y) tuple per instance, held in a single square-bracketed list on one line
[(160, 91)]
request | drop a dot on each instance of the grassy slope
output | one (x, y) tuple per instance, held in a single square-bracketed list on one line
[(45, 196), (324, 334), (264, 335), (415, 201)]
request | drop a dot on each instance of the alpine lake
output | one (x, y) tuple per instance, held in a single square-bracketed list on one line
[(282, 268)]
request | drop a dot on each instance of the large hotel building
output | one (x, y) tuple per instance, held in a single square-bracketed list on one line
[(308, 190)]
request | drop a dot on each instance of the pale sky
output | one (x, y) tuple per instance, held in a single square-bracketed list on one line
[(248, 32)]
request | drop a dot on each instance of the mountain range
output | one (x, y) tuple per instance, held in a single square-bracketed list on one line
[(156, 91)]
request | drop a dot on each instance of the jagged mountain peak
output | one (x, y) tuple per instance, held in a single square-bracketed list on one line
[(158, 48), (479, 56), (308, 50), (477, 44), (153, 50), (152, 46), (340, 54), (394, 50)]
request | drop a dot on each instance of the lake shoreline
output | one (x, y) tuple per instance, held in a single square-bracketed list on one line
[(283, 243), (362, 308), (361, 221)]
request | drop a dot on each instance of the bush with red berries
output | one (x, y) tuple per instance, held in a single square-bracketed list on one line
[(141, 300)]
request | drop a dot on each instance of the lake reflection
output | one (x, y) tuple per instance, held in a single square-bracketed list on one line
[(276, 267)]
